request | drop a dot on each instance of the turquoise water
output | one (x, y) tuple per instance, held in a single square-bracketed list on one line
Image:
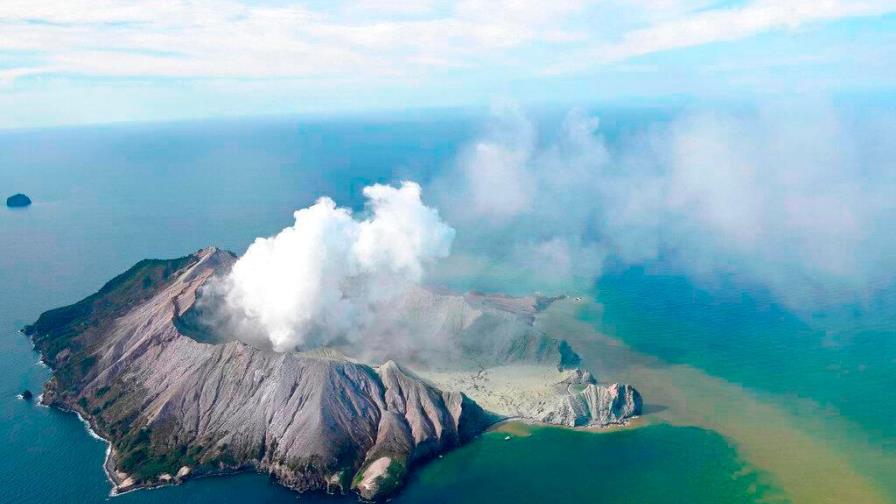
[(835, 358), (833, 368), (106, 197), (651, 464), (656, 464)]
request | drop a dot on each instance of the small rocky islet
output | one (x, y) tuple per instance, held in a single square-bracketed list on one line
[(18, 201), (173, 406)]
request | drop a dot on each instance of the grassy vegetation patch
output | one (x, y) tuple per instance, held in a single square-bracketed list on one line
[(390, 480)]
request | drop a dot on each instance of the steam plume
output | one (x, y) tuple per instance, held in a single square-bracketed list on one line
[(321, 279), (797, 199)]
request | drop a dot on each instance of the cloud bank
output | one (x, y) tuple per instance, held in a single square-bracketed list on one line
[(321, 280), (800, 200), (389, 39), (97, 61)]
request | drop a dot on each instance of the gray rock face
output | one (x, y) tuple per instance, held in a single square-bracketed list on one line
[(167, 402), (579, 376), (595, 405), (18, 201)]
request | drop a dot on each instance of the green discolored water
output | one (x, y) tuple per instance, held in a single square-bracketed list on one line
[(657, 463)]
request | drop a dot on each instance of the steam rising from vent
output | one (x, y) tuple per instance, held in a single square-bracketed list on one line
[(320, 280)]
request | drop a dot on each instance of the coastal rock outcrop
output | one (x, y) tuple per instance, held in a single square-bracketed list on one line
[(541, 393), (17, 201), (594, 405), (171, 405), (579, 377)]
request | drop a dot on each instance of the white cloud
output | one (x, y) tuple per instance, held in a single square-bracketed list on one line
[(376, 38), (385, 8), (706, 26), (499, 184), (797, 199), (527, 206)]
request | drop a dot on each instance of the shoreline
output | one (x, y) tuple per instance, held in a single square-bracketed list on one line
[(112, 474), (635, 422), (41, 361), (90, 430), (534, 383)]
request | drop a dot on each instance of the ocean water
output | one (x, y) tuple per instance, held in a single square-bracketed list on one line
[(830, 371), (832, 357), (748, 402)]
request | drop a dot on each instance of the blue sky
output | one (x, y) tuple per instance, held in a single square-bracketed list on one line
[(95, 61)]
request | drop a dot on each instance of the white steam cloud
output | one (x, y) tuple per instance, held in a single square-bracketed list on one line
[(320, 280), (798, 199)]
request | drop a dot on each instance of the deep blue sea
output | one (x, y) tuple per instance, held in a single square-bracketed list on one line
[(106, 197)]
